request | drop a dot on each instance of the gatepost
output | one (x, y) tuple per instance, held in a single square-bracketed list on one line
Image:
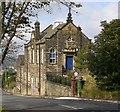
[(74, 76)]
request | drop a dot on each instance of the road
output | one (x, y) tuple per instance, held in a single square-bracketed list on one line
[(23, 103)]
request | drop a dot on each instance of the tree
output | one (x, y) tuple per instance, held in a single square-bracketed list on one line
[(83, 57), (104, 59), (9, 79), (15, 20), (15, 17)]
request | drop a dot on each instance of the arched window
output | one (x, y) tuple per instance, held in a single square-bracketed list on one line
[(30, 54), (33, 56), (52, 56), (37, 55)]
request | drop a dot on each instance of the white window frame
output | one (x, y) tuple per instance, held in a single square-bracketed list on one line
[(42, 58), (22, 73), (37, 82), (33, 56), (29, 76), (30, 58), (53, 59)]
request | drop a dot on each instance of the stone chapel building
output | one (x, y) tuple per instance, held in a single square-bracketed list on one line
[(50, 51)]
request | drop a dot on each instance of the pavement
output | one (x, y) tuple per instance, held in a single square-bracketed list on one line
[(88, 99)]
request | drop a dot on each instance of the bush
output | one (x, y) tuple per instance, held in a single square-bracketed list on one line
[(9, 80), (91, 90), (116, 95)]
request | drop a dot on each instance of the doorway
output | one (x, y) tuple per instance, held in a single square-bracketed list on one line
[(69, 63)]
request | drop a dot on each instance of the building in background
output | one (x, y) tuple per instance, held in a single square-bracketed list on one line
[(50, 52)]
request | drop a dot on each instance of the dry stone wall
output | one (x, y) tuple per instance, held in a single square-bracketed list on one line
[(53, 89)]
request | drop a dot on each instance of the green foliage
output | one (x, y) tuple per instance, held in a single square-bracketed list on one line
[(91, 90), (102, 58), (83, 57), (105, 58), (2, 109), (16, 20), (69, 73), (82, 82), (9, 80)]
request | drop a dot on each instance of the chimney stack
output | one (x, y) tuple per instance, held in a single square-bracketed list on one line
[(37, 30)]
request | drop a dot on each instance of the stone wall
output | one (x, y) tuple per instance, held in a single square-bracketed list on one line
[(53, 89)]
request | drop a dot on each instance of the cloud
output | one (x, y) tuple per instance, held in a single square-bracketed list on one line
[(91, 14), (94, 1)]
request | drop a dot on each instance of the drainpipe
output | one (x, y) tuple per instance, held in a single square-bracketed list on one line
[(27, 74), (20, 78), (39, 72)]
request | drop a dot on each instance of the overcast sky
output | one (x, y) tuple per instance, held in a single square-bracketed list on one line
[(89, 17)]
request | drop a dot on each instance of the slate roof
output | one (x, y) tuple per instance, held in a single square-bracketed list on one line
[(49, 32), (54, 31), (85, 36), (20, 60)]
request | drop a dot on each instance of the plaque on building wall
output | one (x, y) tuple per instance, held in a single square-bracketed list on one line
[(70, 43)]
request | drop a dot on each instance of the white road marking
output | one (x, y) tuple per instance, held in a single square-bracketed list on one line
[(71, 107), (72, 98)]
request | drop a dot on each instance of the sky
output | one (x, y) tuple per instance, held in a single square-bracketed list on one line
[(88, 17)]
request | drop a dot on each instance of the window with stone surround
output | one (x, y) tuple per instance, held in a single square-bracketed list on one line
[(29, 77), (42, 58), (30, 54), (22, 73), (37, 82), (33, 56), (37, 55), (52, 56)]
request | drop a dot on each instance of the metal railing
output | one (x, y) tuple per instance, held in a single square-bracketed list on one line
[(59, 79)]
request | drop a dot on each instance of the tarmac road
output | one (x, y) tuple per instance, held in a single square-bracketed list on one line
[(24, 103)]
